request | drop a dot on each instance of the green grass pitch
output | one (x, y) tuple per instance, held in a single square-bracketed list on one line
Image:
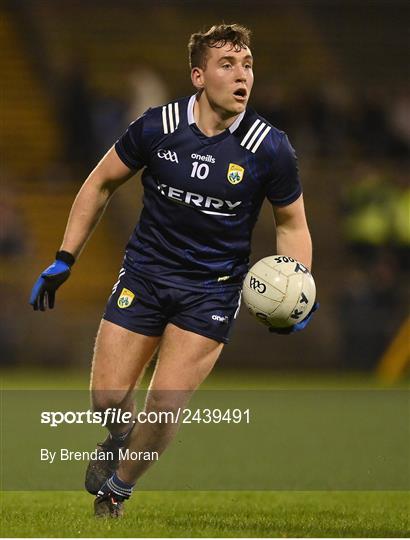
[(206, 513), (209, 514)]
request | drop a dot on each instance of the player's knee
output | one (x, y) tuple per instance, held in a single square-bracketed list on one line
[(109, 399), (166, 401)]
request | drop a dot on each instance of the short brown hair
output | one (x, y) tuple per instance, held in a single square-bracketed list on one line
[(217, 36)]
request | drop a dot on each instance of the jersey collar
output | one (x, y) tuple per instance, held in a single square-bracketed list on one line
[(191, 119)]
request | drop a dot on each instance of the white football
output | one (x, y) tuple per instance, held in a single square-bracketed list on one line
[(279, 291)]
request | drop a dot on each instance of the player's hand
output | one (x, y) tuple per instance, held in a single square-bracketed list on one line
[(298, 326), (44, 290)]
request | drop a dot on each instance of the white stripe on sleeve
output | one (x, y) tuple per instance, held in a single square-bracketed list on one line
[(254, 136), (256, 146), (243, 142), (164, 119), (171, 118), (176, 114)]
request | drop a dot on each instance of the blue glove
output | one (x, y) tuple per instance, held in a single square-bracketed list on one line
[(296, 327), (44, 290)]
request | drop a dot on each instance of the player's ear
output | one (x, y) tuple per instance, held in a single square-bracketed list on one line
[(197, 78)]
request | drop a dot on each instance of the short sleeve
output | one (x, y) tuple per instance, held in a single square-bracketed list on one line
[(130, 146), (284, 186)]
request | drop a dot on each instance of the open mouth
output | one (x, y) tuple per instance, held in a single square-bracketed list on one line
[(240, 93)]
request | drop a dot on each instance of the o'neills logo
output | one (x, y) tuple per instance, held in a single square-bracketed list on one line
[(208, 158)]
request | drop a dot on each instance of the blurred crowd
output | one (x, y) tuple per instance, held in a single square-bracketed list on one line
[(331, 125), (368, 128), (370, 132), (375, 216), (336, 121), (331, 122), (92, 121)]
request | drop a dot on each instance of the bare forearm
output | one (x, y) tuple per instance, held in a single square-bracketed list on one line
[(295, 243), (87, 209), (92, 199), (292, 232)]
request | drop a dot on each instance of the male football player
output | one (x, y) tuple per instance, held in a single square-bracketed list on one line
[(209, 162)]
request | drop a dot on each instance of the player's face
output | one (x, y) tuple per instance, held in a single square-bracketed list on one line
[(228, 78)]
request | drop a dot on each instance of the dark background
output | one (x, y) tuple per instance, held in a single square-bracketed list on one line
[(333, 75)]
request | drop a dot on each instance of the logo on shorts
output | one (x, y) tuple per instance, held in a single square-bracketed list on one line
[(219, 318), (235, 173), (125, 299)]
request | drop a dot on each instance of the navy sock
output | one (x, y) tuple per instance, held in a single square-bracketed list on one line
[(115, 486)]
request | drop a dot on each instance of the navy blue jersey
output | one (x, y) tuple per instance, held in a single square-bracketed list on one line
[(202, 195)]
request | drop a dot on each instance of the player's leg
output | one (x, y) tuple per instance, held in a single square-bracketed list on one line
[(185, 360), (199, 325), (129, 334), (120, 357)]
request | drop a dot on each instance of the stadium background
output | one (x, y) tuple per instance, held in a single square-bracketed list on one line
[(333, 75)]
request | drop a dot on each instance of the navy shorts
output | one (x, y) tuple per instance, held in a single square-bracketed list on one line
[(146, 307)]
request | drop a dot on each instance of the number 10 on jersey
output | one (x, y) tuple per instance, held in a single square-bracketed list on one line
[(199, 170)]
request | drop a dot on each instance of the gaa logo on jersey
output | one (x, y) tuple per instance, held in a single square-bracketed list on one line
[(235, 173), (168, 154), (125, 298)]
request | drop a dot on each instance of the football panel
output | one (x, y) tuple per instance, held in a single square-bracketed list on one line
[(285, 265), (279, 291), (260, 297), (271, 277), (281, 317), (259, 292), (304, 299)]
